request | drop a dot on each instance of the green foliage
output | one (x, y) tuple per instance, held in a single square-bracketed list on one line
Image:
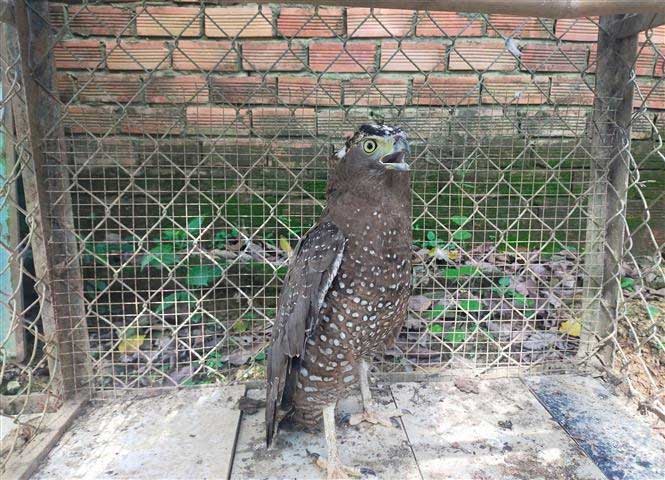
[(173, 299), (435, 312), (455, 337), (240, 326), (203, 275), (196, 224), (215, 361), (161, 255), (469, 305), (460, 272), (462, 235), (459, 220), (436, 328), (628, 284), (223, 236)]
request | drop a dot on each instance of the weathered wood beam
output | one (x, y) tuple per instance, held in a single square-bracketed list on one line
[(7, 11), (635, 24), (532, 8), (606, 229), (46, 186)]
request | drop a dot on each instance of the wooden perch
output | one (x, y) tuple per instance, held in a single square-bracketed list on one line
[(531, 8)]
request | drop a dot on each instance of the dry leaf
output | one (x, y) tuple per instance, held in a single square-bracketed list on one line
[(285, 245), (571, 327), (131, 344), (419, 303), (466, 385)]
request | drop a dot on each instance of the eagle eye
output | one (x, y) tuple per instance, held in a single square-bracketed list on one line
[(369, 146)]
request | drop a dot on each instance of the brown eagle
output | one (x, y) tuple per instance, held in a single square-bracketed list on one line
[(346, 291)]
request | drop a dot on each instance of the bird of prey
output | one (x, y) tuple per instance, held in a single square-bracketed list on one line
[(346, 291)]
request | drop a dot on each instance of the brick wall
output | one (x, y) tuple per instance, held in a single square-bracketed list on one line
[(180, 68), (247, 55)]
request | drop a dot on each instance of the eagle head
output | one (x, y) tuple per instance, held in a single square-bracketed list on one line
[(379, 148)]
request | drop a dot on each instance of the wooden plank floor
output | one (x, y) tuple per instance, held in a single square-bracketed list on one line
[(384, 450), (495, 429), (185, 434), (619, 442), (501, 432)]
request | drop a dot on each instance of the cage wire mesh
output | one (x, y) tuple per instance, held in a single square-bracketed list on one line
[(28, 347), (197, 142)]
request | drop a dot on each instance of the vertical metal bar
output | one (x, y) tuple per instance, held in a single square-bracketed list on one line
[(56, 260), (611, 149)]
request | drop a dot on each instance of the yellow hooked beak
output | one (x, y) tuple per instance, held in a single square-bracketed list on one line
[(395, 160)]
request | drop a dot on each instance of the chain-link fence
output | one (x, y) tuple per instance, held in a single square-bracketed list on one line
[(170, 156)]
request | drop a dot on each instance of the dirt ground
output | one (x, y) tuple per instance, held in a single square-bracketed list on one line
[(640, 360)]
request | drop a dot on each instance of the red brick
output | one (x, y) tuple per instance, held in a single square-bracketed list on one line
[(358, 57), (100, 20), (651, 94), (577, 29), (378, 22), (519, 27), (309, 91), (646, 60), (515, 89), (242, 90), (176, 89), (659, 71), (572, 90), (78, 54), (303, 22), (169, 21), (100, 87), (375, 92), (87, 119), (149, 120), (481, 55), (205, 55), (449, 91), (273, 56), (413, 56), (553, 58), (217, 120), (282, 121), (238, 21), (448, 24), (137, 55), (657, 36)]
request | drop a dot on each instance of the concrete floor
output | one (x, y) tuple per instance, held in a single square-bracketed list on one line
[(492, 429)]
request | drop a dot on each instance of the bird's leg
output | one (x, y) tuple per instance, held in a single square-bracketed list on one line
[(369, 413), (333, 465)]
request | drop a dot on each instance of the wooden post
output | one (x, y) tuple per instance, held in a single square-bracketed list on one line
[(613, 107), (55, 250)]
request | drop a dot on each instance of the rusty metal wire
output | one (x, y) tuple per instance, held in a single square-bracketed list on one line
[(194, 168)]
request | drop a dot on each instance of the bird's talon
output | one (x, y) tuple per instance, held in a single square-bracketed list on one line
[(337, 471)]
